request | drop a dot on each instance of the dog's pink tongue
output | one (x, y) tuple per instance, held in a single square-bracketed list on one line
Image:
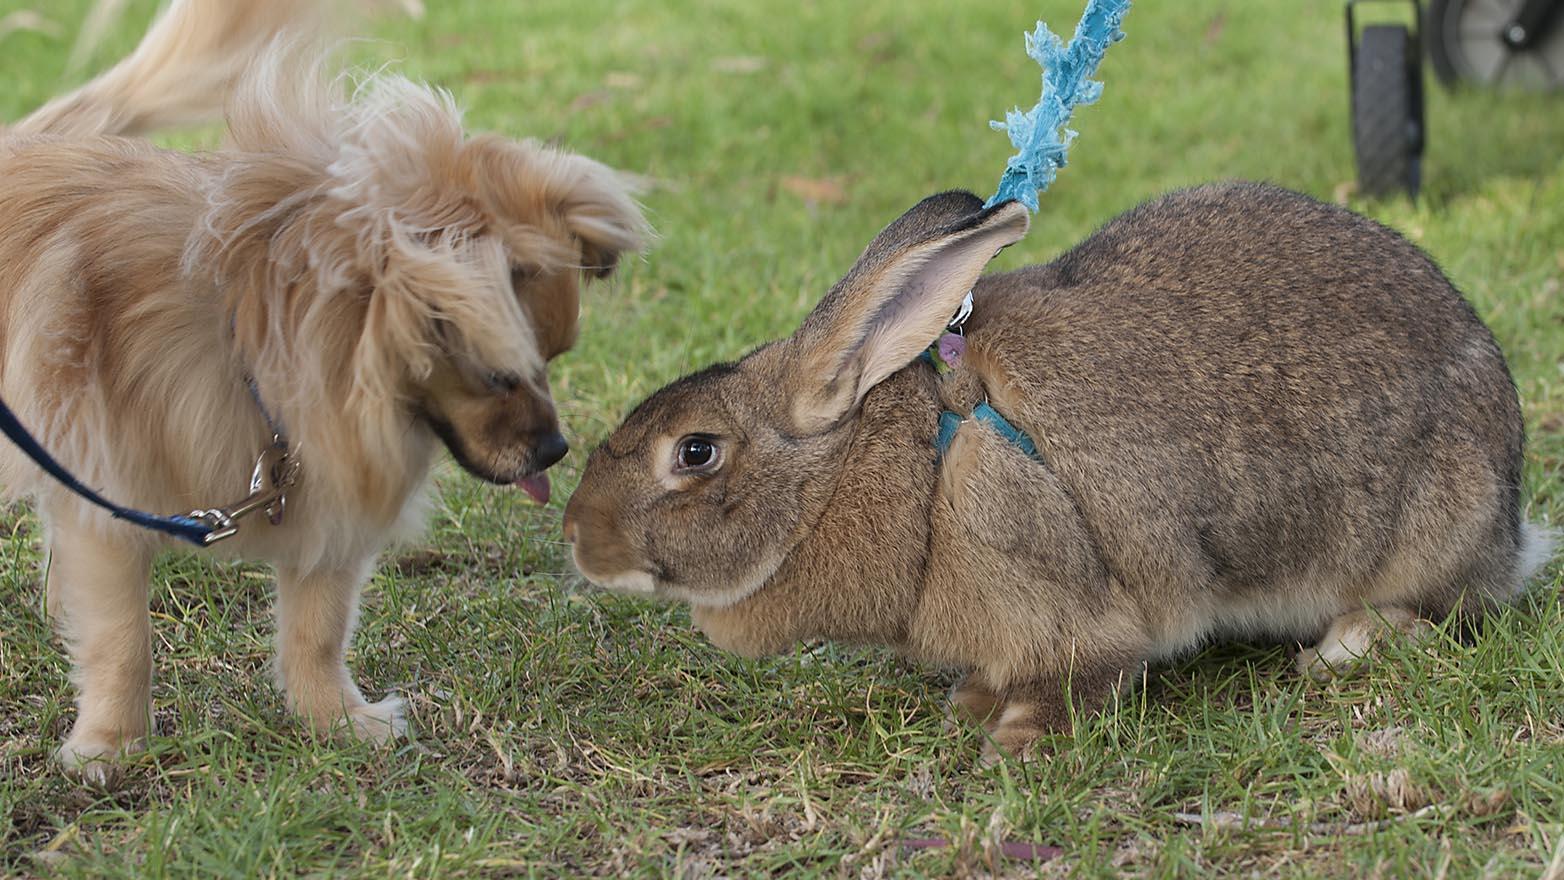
[(536, 486)]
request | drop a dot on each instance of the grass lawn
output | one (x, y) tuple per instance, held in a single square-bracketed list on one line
[(563, 731)]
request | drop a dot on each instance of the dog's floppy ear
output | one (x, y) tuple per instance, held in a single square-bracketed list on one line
[(599, 210), (538, 186), (893, 303), (601, 213)]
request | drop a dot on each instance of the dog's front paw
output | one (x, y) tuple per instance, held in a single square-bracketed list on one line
[(95, 760), (379, 722)]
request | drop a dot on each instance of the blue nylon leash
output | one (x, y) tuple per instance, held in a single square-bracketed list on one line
[(183, 527)]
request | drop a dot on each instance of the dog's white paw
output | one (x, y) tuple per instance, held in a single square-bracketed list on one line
[(93, 760), (379, 722)]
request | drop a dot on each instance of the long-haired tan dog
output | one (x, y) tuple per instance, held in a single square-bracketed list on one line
[(385, 282)]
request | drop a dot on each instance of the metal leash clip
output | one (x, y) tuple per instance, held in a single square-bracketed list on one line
[(275, 473), (963, 312)]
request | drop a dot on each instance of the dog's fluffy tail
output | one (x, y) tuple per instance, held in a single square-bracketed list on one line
[(182, 72)]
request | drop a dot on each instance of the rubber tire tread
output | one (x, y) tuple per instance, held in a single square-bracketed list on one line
[(1383, 118)]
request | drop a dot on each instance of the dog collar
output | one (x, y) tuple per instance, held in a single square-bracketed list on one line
[(276, 471)]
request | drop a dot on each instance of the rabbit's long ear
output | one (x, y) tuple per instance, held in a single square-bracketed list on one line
[(894, 302)]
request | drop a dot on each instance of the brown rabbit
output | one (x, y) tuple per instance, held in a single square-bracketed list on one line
[(1254, 415)]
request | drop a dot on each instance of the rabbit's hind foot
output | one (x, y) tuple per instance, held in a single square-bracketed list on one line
[(1351, 637)]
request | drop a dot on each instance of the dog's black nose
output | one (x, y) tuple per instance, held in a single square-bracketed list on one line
[(550, 448)]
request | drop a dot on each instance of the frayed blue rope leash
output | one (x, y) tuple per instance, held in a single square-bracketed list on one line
[(183, 527), (1041, 142), (1039, 135)]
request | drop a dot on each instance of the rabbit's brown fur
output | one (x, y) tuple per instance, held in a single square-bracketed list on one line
[(1257, 415)]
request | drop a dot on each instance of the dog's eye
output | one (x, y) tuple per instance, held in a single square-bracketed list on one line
[(502, 383), (697, 453), (522, 275)]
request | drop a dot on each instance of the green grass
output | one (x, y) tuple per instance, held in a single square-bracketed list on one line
[(561, 731)]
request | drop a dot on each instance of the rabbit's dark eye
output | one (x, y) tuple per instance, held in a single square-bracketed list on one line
[(697, 453)]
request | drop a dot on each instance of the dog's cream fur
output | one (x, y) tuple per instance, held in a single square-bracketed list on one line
[(388, 282)]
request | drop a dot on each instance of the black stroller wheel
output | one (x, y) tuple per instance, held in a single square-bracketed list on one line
[(1387, 99)]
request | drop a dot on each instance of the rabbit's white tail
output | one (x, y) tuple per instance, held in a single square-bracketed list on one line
[(182, 72), (1538, 544)]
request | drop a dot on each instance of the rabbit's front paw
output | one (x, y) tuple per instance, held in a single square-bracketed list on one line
[(738, 630), (1013, 734), (972, 701)]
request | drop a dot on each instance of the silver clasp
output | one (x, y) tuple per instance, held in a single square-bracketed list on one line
[(275, 473), (963, 312)]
